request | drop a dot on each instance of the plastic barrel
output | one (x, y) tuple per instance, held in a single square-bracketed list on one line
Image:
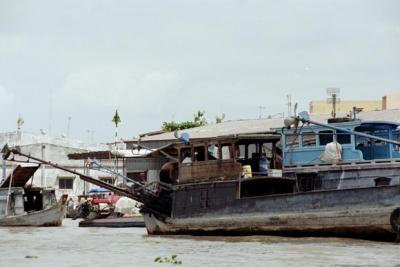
[(247, 171)]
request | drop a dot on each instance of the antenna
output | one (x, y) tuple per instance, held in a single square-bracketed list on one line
[(68, 125), (289, 105), (333, 99), (50, 109), (20, 122), (261, 108)]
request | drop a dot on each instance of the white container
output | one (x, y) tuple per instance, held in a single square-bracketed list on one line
[(275, 173)]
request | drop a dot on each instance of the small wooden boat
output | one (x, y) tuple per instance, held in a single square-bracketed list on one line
[(24, 205), (114, 222)]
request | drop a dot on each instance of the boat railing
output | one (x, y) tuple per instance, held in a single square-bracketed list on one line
[(346, 163)]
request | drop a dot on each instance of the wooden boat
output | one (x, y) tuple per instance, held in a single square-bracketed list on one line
[(297, 194), (23, 205), (211, 191), (114, 222)]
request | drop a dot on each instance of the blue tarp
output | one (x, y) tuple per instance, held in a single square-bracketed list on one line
[(99, 190)]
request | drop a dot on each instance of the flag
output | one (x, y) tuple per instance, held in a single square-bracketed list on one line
[(116, 119)]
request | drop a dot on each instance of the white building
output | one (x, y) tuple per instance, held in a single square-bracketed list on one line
[(55, 150)]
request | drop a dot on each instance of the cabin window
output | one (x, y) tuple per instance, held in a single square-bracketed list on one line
[(325, 137), (362, 141), (309, 139), (251, 151), (186, 155), (379, 143), (240, 151), (212, 152), (382, 134), (343, 138), (199, 153), (266, 149), (396, 136), (292, 140), (226, 151), (66, 183)]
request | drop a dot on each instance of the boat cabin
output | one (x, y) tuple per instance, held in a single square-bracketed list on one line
[(306, 144), (224, 158)]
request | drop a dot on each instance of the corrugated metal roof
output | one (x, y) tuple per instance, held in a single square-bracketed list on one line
[(263, 125), (125, 153)]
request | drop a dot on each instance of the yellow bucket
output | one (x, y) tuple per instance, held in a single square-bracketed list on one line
[(247, 171)]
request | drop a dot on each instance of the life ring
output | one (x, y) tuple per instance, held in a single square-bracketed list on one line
[(395, 220)]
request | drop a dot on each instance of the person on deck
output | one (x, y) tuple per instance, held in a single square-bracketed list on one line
[(169, 173)]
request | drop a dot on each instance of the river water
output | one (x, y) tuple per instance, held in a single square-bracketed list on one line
[(71, 246)]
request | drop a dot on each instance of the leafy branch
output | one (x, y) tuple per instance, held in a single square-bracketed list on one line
[(173, 260)]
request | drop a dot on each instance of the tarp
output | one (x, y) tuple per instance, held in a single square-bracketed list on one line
[(99, 190), (126, 206), (20, 175)]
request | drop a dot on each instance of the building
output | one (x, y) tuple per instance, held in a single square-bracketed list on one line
[(55, 150), (390, 101), (323, 107)]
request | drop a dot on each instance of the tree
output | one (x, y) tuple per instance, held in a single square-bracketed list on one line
[(219, 119), (198, 120)]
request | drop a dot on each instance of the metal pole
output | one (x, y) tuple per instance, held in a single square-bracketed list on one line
[(334, 105), (9, 191), (289, 104), (4, 168), (43, 168), (68, 126)]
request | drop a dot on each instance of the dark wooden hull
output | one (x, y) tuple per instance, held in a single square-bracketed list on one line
[(115, 222), (215, 208)]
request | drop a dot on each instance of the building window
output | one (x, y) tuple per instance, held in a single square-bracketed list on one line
[(66, 183)]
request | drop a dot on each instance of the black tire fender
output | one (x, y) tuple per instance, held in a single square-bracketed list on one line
[(395, 220)]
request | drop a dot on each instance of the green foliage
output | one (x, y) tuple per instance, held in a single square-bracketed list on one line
[(116, 119), (219, 119), (198, 120), (173, 126), (173, 260)]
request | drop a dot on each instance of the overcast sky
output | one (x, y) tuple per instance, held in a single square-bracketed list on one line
[(163, 60)]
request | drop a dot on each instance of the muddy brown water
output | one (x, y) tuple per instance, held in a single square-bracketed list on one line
[(72, 246)]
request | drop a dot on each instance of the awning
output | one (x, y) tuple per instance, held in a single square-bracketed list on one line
[(120, 153), (20, 176)]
